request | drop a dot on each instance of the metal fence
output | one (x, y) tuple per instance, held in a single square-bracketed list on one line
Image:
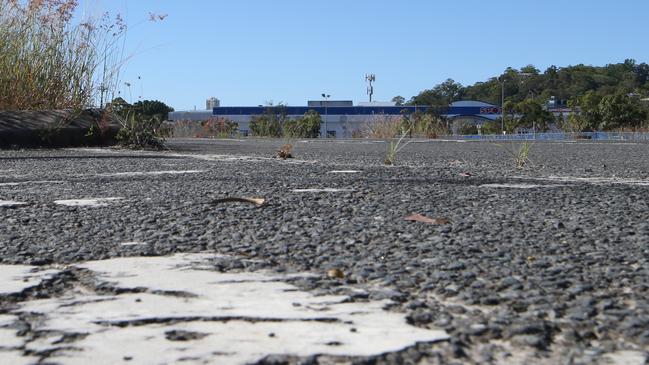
[(558, 136)]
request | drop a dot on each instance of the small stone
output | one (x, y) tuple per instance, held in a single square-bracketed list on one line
[(335, 274), (457, 266), (477, 329), (386, 294), (509, 282), (451, 289), (529, 340)]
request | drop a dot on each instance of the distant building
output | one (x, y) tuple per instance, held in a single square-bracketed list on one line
[(212, 103), (343, 118), (377, 103), (329, 103)]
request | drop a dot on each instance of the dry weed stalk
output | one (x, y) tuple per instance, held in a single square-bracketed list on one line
[(285, 151)]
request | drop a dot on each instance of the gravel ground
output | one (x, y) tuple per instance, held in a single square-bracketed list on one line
[(546, 264)]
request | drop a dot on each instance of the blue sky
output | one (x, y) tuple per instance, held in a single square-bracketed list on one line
[(248, 52)]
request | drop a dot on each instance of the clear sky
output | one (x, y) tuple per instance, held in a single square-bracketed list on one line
[(248, 52)]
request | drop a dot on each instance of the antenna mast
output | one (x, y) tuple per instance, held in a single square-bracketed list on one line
[(370, 78)]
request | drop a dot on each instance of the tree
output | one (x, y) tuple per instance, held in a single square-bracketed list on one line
[(119, 105), (153, 108), (450, 90), (399, 100), (531, 114), (586, 115), (621, 110), (582, 87), (441, 95)]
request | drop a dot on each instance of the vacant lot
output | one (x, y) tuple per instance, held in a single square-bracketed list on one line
[(544, 264)]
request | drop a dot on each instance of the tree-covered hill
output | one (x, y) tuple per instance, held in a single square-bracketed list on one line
[(603, 97)]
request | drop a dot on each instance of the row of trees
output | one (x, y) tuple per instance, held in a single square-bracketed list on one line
[(601, 98)]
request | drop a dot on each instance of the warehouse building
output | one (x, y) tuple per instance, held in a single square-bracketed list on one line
[(341, 118)]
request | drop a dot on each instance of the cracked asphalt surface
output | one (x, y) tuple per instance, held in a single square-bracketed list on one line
[(546, 264)]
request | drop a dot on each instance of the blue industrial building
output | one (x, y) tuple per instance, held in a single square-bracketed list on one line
[(342, 118)]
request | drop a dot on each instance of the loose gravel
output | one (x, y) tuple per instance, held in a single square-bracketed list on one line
[(547, 264)]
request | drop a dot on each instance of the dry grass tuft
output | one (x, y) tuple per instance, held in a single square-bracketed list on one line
[(285, 151)]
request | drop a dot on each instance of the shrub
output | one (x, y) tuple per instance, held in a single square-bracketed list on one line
[(140, 131), (306, 127), (467, 128), (383, 126), (428, 125), (491, 127), (269, 124), (219, 127), (265, 126)]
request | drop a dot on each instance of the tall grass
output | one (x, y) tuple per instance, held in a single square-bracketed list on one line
[(49, 61), (420, 125), (382, 127)]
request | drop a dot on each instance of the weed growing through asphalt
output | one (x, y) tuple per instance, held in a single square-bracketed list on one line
[(284, 152), (139, 131), (395, 147), (519, 154)]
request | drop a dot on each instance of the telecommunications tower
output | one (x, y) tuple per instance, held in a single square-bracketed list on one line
[(370, 78)]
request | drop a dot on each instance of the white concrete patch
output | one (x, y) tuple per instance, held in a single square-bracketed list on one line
[(626, 357), (518, 186), (323, 190), (344, 172), (451, 140), (16, 358), (211, 157), (6, 319), (31, 182), (16, 278), (9, 339), (10, 203), (239, 318), (95, 150), (236, 158), (92, 202), (151, 173), (590, 180), (133, 243)]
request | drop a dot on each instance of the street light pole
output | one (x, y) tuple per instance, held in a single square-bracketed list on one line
[(326, 97), (502, 106)]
